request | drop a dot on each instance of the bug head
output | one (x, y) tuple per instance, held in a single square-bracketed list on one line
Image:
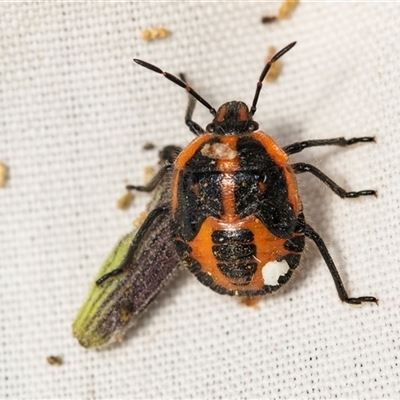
[(232, 118)]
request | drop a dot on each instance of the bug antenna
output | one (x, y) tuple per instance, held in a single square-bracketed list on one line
[(178, 82), (264, 72)]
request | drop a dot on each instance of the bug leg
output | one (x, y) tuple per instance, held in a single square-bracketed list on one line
[(153, 215), (310, 233), (341, 141), (299, 168), (193, 126), (168, 154), (154, 182)]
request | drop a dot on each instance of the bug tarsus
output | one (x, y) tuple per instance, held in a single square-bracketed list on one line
[(314, 236), (340, 141), (300, 168)]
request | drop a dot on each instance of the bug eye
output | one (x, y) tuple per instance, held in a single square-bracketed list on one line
[(210, 128), (253, 126)]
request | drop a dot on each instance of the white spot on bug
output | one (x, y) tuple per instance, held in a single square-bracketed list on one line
[(218, 151), (272, 271)]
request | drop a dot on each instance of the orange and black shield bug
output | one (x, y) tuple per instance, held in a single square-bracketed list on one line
[(235, 211)]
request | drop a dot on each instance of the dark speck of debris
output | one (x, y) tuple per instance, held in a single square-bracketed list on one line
[(55, 360)]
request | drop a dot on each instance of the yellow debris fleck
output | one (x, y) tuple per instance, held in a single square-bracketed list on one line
[(3, 174), (125, 201), (154, 33)]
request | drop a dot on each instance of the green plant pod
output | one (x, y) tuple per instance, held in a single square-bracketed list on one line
[(117, 303)]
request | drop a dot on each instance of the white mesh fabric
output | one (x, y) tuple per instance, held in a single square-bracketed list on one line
[(75, 113)]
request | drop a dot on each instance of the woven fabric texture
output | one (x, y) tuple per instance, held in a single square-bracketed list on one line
[(75, 114)]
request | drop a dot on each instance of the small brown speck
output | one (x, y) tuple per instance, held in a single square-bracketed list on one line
[(268, 19), (149, 146), (55, 360), (284, 12)]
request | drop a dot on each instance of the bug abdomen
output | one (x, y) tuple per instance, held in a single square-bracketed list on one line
[(240, 258), (235, 253)]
